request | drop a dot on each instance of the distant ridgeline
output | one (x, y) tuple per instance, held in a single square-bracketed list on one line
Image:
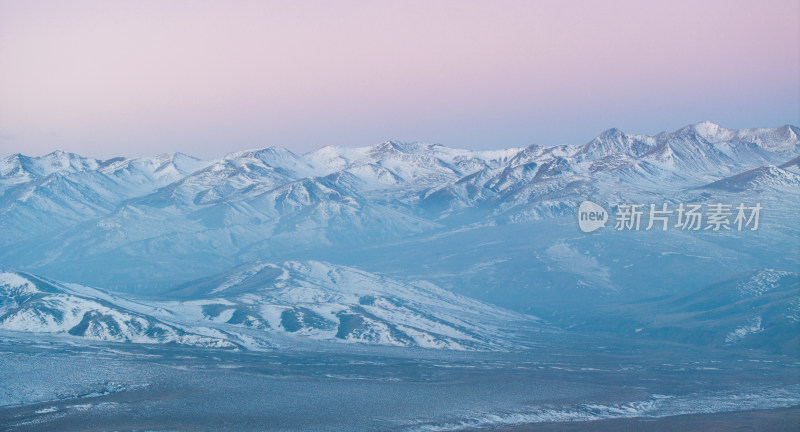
[(152, 222)]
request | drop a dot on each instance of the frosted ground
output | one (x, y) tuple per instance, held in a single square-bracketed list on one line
[(331, 388)]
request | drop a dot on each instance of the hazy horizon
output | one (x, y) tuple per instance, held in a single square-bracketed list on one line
[(207, 78), (166, 151)]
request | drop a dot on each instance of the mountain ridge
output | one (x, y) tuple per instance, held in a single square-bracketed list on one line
[(260, 306), (71, 218)]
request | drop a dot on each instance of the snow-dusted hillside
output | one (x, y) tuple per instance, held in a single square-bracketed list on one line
[(759, 179), (260, 303), (324, 301), (29, 304)]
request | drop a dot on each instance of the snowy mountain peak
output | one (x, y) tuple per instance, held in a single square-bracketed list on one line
[(614, 141), (266, 153), (383, 148), (279, 157), (64, 161), (181, 162), (26, 167), (12, 165), (612, 133), (708, 129)]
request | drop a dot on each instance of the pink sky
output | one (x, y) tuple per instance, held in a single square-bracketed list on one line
[(107, 78)]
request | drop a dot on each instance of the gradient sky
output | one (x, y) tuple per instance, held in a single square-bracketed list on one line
[(108, 78)]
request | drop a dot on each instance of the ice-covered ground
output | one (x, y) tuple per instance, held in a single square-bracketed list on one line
[(52, 386)]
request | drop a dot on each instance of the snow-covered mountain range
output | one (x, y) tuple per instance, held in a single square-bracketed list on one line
[(71, 216), (333, 244)]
